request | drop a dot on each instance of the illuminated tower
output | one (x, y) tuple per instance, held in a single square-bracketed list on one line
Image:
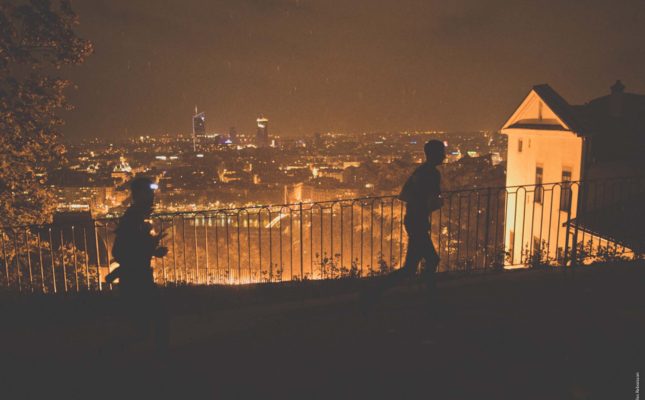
[(262, 135), (199, 126)]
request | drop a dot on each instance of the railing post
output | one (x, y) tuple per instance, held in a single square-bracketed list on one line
[(74, 257), (87, 258), (98, 257), (4, 256), (62, 258), (579, 212), (248, 244), (565, 257), (163, 259), (487, 223), (196, 250), (40, 260), (51, 255), (28, 248), (302, 254)]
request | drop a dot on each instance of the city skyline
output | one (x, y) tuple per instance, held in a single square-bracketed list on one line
[(325, 66)]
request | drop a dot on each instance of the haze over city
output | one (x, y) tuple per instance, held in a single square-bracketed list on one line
[(356, 66)]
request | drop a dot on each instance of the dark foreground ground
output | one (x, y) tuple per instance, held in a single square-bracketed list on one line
[(519, 335)]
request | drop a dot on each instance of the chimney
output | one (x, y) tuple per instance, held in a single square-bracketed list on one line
[(616, 99)]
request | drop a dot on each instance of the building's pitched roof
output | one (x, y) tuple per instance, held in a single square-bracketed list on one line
[(559, 105), (614, 113)]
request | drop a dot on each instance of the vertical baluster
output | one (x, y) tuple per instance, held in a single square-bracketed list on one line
[(229, 276), (391, 264), (174, 252), (270, 246), (302, 253), (467, 264), (487, 221), (342, 244), (449, 225), (478, 248), (51, 254), (108, 249), (322, 256), (311, 240), (372, 236), (28, 252), (248, 243), (381, 255), (4, 257), (331, 237), (361, 256), (163, 259), (458, 227), (196, 250), (87, 260), (281, 266), (62, 259), (290, 243), (239, 250), (401, 234), (98, 257), (351, 237), (74, 258), (260, 244), (183, 239), (207, 221), (40, 261)]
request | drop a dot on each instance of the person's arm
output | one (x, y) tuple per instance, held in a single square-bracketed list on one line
[(114, 275), (159, 251), (435, 201)]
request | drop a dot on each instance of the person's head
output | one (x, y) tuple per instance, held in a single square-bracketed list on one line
[(143, 191), (435, 152)]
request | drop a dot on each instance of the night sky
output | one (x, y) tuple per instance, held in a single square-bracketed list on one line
[(343, 65)]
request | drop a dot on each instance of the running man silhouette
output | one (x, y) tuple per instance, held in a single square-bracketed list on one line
[(422, 195), (134, 246)]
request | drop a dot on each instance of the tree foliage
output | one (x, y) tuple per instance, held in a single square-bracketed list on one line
[(37, 38)]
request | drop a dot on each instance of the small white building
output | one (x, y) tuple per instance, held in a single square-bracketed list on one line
[(552, 143)]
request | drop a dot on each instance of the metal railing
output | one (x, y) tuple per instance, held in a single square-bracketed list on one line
[(478, 229)]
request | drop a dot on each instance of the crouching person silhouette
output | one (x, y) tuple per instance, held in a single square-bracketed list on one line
[(422, 195), (134, 246)]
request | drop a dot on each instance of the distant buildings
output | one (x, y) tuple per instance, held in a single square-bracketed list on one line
[(122, 172), (234, 175)]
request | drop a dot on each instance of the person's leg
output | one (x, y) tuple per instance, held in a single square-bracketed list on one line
[(161, 321), (413, 255), (375, 287), (429, 274)]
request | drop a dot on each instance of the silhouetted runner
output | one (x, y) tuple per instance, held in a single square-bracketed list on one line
[(134, 246), (422, 195)]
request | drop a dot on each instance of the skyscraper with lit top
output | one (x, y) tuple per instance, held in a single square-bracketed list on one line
[(262, 134), (199, 126)]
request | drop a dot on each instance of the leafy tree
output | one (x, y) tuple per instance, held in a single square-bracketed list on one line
[(37, 38)]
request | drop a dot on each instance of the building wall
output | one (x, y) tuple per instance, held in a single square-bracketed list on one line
[(530, 223)]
